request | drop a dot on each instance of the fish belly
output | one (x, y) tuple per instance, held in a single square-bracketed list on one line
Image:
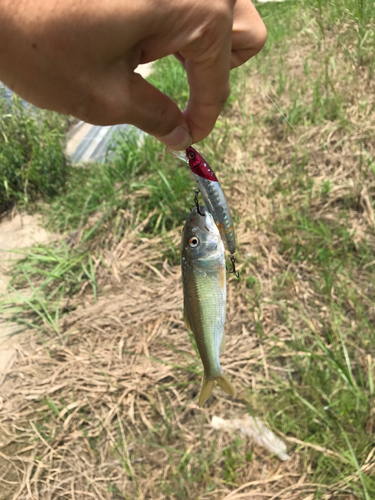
[(204, 304)]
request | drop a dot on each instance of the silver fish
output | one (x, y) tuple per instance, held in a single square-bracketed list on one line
[(204, 286)]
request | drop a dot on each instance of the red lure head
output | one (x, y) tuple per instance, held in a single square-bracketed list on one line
[(199, 166)]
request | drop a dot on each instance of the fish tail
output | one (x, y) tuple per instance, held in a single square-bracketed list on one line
[(209, 384), (224, 383), (207, 387)]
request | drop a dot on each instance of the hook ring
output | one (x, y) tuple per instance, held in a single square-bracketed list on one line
[(233, 270), (196, 191)]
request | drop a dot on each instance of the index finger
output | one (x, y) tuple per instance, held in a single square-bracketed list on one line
[(209, 89)]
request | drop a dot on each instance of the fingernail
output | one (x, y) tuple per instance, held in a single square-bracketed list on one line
[(178, 139)]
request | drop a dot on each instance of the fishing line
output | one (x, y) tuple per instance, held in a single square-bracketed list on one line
[(304, 143), (278, 109)]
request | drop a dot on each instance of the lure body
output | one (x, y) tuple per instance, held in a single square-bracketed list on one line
[(204, 286), (212, 194)]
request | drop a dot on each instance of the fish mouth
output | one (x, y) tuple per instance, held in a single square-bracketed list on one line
[(204, 223), (201, 220), (202, 209)]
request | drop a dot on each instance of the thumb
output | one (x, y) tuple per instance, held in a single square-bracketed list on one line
[(153, 112)]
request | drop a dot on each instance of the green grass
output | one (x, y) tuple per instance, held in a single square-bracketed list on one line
[(322, 272), (53, 275), (32, 160), (137, 180), (98, 204), (328, 394)]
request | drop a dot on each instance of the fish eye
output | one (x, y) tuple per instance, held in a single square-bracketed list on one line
[(191, 155), (194, 241)]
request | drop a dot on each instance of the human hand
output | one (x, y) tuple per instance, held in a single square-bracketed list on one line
[(79, 58)]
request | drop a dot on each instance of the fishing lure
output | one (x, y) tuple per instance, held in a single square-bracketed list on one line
[(212, 194)]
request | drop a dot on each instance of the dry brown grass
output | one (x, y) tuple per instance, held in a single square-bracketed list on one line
[(108, 409), (115, 369), (123, 377), (128, 414)]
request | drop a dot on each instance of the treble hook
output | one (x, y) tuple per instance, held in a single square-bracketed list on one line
[(233, 271), (196, 191)]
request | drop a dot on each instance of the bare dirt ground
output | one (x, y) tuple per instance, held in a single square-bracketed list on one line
[(17, 231)]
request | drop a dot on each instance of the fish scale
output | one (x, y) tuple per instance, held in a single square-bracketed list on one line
[(207, 304)]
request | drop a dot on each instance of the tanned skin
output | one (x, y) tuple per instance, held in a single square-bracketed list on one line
[(78, 57)]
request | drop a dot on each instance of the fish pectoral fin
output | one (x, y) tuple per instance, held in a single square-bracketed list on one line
[(207, 387), (223, 344), (224, 383), (187, 321)]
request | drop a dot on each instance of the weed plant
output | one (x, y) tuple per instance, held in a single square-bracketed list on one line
[(138, 178), (32, 158), (140, 182)]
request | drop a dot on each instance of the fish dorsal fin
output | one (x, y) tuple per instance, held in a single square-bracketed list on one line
[(187, 321), (223, 344)]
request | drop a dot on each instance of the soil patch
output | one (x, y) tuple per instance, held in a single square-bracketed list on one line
[(18, 231)]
